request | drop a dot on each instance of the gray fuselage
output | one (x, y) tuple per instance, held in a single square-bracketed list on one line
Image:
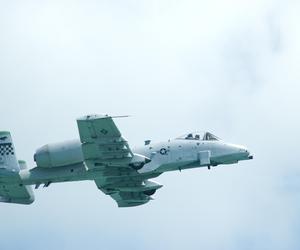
[(176, 154)]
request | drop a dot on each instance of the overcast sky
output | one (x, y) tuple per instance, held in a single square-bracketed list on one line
[(230, 67)]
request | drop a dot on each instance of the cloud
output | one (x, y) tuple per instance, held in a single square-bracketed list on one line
[(229, 67)]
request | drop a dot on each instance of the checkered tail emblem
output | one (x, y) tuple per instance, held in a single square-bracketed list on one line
[(6, 149)]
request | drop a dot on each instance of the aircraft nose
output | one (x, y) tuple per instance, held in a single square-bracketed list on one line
[(241, 152), (247, 152), (250, 156)]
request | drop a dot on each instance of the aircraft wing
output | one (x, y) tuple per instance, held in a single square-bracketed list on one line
[(108, 153), (102, 143), (130, 193)]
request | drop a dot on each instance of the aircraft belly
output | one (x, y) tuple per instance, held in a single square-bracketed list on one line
[(177, 166), (224, 159)]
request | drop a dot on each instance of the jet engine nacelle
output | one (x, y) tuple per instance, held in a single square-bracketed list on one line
[(59, 154)]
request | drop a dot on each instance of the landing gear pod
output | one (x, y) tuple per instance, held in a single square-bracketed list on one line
[(204, 158), (138, 161)]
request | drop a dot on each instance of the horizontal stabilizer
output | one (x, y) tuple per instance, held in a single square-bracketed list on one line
[(16, 193)]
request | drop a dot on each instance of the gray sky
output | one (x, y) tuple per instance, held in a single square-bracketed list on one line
[(230, 67)]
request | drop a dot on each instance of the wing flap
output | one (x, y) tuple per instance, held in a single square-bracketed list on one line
[(95, 151)]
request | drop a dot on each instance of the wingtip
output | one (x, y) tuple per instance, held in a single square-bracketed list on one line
[(92, 117), (120, 116), (97, 116)]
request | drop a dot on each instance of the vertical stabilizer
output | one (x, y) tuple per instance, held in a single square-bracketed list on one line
[(8, 159), (12, 189)]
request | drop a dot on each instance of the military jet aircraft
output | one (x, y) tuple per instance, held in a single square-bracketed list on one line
[(105, 157)]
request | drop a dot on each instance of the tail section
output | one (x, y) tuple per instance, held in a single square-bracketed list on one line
[(8, 159), (11, 188)]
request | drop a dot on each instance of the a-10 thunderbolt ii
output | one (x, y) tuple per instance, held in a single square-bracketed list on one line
[(105, 157)]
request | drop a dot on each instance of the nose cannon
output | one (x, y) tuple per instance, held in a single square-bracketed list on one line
[(245, 153)]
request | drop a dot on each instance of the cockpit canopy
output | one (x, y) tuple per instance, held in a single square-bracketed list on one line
[(200, 136)]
